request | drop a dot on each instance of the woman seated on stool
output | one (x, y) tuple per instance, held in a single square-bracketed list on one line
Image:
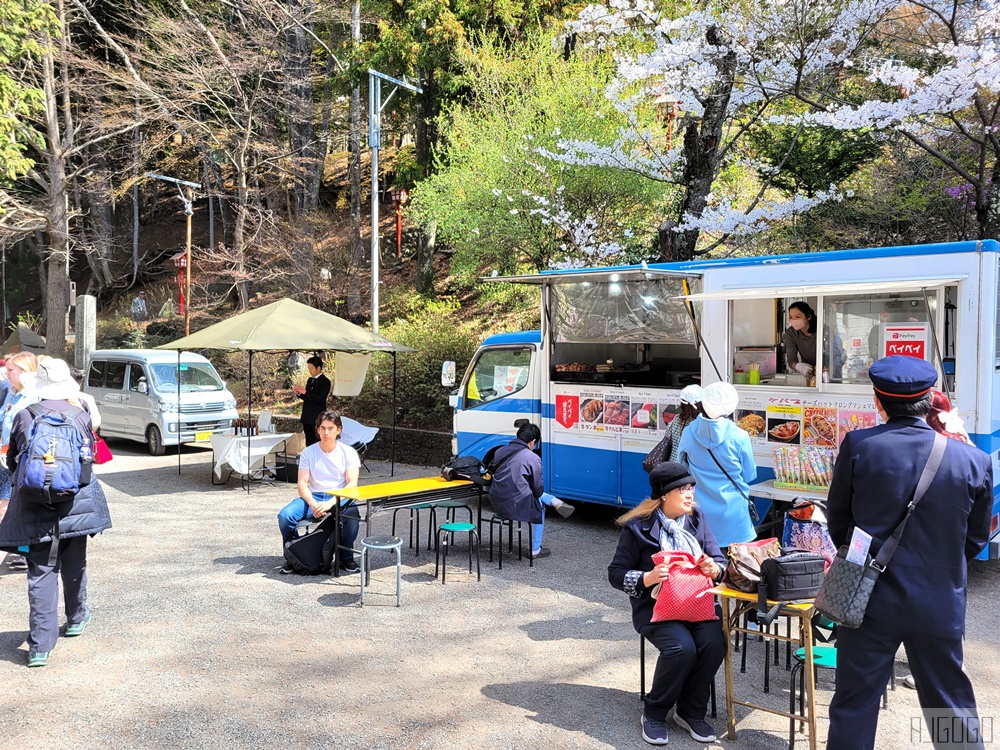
[(690, 652)]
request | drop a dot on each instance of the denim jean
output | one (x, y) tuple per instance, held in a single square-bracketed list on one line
[(298, 509), (538, 528)]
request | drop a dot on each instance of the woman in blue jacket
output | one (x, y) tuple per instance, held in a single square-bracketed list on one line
[(712, 447), (690, 652)]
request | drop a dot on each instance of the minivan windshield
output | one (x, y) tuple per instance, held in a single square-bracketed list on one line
[(195, 377)]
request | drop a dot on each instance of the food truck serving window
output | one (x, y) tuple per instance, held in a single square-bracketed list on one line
[(497, 373), (829, 334), (864, 328)]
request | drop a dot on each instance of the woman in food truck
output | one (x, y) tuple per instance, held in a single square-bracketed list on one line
[(800, 338)]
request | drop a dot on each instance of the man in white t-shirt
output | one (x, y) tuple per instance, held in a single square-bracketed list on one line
[(326, 465)]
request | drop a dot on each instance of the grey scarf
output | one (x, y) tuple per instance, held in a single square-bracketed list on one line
[(673, 536)]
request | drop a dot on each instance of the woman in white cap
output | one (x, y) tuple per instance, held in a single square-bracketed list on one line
[(721, 459), (669, 447), (53, 536)]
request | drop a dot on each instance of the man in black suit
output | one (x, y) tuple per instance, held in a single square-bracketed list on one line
[(313, 397), (920, 598)]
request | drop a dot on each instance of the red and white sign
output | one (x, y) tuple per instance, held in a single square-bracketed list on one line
[(910, 340), (567, 410)]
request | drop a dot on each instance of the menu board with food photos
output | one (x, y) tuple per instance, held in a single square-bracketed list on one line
[(778, 421), (635, 412)]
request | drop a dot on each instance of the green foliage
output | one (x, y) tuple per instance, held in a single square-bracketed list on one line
[(822, 156), (500, 203), (438, 335), (34, 322), (22, 23)]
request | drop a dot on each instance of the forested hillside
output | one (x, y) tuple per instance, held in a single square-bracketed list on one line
[(543, 134)]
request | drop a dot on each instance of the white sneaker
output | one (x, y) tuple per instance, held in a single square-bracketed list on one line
[(910, 682)]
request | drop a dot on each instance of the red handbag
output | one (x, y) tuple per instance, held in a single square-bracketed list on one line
[(102, 454), (686, 594)]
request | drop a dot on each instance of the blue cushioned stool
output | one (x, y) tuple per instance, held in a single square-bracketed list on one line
[(386, 543)]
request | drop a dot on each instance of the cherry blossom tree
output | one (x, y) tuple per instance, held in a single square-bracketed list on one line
[(928, 71)]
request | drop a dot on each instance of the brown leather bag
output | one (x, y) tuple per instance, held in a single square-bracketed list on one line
[(743, 571)]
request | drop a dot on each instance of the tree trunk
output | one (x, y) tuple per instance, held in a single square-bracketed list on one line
[(357, 245), (299, 105), (58, 215), (701, 150), (988, 208), (99, 194), (425, 259)]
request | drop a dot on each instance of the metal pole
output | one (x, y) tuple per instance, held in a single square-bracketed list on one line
[(249, 418), (374, 141), (179, 413), (392, 460), (187, 282)]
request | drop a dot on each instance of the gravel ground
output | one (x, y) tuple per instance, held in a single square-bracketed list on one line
[(197, 642)]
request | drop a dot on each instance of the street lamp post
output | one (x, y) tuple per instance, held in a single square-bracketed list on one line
[(187, 196), (399, 197), (375, 107)]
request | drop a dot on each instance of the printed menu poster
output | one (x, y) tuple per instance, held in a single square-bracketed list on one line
[(616, 412), (643, 415), (784, 421), (591, 410), (751, 417), (856, 420), (819, 426)]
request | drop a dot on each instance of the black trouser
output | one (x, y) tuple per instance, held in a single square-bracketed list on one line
[(43, 590), (311, 435), (865, 658), (690, 655)]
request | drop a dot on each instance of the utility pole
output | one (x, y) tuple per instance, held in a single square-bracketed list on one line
[(375, 107), (187, 197)]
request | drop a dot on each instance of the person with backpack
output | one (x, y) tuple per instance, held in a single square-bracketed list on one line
[(518, 490), (56, 503), (21, 369), (324, 466)]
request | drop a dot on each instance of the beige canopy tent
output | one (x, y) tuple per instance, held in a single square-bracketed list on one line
[(288, 325), (23, 340)]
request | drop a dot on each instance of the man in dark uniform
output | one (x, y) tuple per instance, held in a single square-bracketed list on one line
[(313, 397), (920, 599)]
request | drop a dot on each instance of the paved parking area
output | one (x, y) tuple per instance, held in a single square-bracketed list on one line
[(197, 642)]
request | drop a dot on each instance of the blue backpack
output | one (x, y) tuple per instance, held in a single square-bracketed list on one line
[(55, 455)]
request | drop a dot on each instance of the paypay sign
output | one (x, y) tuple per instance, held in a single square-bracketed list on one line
[(908, 339)]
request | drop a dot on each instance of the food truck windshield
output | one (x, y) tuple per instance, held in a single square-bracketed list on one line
[(829, 341)]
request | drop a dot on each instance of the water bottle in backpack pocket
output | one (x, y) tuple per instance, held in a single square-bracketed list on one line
[(56, 458)]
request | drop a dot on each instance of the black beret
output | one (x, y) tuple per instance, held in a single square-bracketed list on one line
[(667, 476)]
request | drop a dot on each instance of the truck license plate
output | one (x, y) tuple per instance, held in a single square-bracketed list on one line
[(202, 437)]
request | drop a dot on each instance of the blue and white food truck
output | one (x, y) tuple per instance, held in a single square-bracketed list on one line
[(602, 376)]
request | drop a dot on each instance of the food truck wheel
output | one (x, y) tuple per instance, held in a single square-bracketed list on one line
[(154, 441)]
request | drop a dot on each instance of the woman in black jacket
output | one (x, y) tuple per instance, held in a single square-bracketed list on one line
[(690, 652)]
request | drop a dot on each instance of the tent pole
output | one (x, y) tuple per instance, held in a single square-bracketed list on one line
[(178, 412), (392, 461), (249, 417)]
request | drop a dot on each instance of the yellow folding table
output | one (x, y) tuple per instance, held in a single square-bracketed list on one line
[(734, 605), (402, 493)]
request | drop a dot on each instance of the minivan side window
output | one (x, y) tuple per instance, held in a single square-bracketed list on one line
[(96, 376), (115, 375), (135, 373)]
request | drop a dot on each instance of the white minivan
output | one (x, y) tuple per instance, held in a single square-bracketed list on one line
[(136, 391)]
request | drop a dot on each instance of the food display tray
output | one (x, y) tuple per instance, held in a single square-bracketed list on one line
[(797, 486)]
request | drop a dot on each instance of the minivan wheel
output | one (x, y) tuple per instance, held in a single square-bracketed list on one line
[(154, 441)]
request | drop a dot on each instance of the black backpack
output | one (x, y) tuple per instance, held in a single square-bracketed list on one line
[(466, 467), (312, 553)]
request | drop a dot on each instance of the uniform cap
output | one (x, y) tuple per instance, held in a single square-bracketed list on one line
[(901, 378)]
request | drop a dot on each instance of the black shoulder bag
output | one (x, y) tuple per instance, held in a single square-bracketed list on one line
[(847, 588), (750, 504)]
